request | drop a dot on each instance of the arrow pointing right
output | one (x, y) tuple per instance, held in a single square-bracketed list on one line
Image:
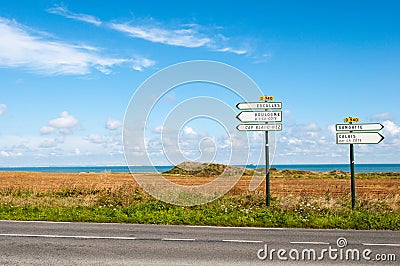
[(359, 127), (359, 138)]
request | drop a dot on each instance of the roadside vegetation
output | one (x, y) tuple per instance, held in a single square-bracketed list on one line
[(127, 203), (301, 199)]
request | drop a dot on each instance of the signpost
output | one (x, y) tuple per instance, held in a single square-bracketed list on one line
[(265, 116), (258, 116), (367, 134)]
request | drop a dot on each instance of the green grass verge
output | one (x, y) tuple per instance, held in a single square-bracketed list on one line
[(125, 205)]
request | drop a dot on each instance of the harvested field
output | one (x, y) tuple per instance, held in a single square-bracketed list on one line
[(282, 183)]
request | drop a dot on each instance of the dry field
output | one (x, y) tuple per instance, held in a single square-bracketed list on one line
[(282, 183)]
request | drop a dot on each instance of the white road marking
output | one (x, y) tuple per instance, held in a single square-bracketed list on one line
[(44, 222), (235, 227), (178, 239), (73, 237), (310, 243), (388, 245), (241, 241)]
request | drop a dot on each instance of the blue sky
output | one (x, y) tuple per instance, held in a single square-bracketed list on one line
[(69, 68)]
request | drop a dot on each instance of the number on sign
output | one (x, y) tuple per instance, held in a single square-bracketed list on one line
[(266, 98), (352, 119)]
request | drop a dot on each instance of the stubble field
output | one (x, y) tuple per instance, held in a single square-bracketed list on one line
[(283, 183)]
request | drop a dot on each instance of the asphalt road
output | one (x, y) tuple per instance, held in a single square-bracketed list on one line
[(47, 243)]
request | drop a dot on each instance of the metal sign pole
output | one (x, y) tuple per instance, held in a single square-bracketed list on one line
[(353, 181), (352, 178), (267, 183)]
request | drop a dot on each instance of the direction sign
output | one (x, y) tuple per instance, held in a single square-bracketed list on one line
[(259, 105), (359, 138), (359, 127), (267, 116), (259, 127)]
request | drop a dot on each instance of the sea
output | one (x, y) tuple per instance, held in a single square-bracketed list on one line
[(359, 168)]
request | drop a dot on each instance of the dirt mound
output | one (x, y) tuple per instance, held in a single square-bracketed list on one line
[(208, 169)]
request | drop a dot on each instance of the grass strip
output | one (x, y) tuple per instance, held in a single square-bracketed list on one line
[(127, 205)]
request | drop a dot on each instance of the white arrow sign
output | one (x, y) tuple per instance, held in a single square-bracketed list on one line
[(259, 105), (259, 127), (359, 138), (359, 127), (260, 116)]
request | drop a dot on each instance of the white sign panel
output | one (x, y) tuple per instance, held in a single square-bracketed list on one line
[(359, 138), (259, 105), (259, 127), (359, 127), (260, 116)]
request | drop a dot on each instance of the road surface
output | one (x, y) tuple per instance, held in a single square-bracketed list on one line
[(48, 243)]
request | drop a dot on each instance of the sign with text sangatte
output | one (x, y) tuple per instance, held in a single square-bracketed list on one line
[(359, 127), (267, 116), (359, 138), (259, 105), (259, 127)]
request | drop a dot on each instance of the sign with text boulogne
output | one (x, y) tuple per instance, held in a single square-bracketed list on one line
[(267, 116)]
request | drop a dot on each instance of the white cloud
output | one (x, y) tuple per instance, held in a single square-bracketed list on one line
[(97, 139), (187, 37), (332, 129), (43, 55), (390, 128), (65, 121), (5, 154), (51, 142), (382, 116), (46, 130), (160, 129), (188, 131), (3, 108), (10, 154), (233, 50), (294, 141), (77, 151), (63, 11), (114, 124), (140, 63)]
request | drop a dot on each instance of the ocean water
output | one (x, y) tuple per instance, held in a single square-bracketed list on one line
[(359, 168)]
